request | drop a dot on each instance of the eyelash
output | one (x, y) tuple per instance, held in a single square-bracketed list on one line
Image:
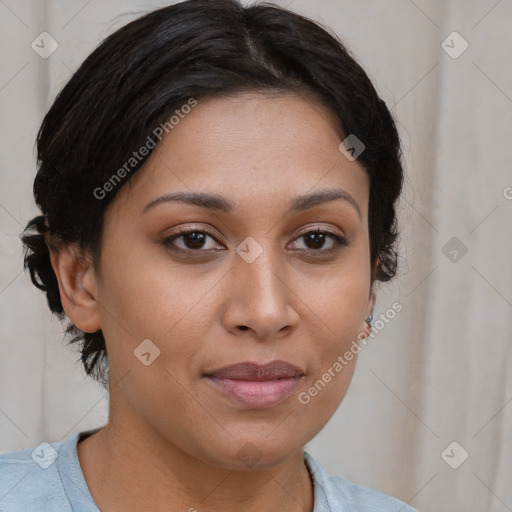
[(339, 241)]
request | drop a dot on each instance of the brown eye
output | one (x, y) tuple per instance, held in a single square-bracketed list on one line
[(192, 240), (316, 239)]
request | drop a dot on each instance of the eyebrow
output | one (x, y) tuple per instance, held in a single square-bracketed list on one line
[(222, 204)]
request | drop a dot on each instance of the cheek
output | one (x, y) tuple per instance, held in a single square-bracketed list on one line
[(319, 399), (337, 306), (337, 351), (144, 297), (337, 315), (143, 300), (155, 393)]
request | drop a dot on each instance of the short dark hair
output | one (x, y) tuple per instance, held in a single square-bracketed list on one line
[(137, 78)]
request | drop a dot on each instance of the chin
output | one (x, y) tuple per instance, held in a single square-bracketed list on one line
[(256, 453)]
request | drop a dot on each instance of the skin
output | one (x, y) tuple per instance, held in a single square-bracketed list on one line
[(170, 432)]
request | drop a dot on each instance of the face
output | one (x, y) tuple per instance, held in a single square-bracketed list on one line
[(252, 275)]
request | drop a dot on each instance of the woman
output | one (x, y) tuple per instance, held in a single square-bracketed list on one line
[(218, 187)]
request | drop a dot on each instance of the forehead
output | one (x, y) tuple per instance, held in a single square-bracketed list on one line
[(259, 145)]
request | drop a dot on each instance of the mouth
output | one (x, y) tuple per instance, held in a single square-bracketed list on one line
[(254, 385)]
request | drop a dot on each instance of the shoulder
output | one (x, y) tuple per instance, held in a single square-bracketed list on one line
[(336, 493), (30, 480)]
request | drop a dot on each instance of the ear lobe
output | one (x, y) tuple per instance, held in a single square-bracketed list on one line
[(369, 310), (77, 286), (371, 305)]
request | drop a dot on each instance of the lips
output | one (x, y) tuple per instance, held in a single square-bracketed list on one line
[(255, 372), (257, 386)]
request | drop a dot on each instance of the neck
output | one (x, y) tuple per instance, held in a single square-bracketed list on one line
[(129, 466)]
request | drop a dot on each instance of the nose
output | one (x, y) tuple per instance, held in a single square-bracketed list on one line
[(260, 298)]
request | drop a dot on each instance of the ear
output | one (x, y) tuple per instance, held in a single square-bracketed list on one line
[(366, 329), (77, 286), (371, 305)]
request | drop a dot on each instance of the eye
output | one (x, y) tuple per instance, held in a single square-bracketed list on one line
[(193, 239), (315, 241)]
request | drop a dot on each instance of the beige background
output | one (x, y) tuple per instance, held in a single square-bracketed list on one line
[(441, 370)]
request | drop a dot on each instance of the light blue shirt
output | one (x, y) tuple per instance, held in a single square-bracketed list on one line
[(48, 478)]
